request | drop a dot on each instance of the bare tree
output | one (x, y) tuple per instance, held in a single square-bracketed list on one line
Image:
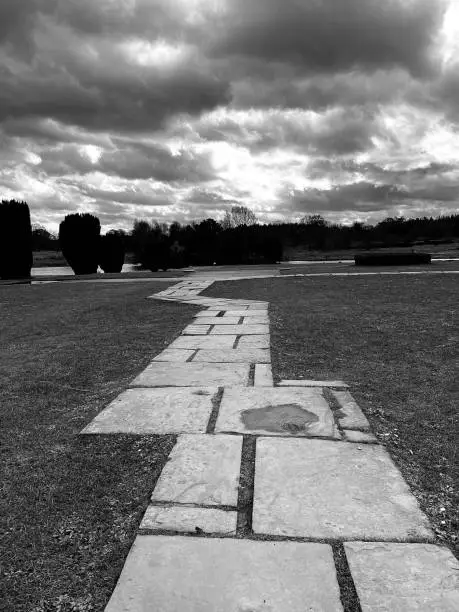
[(239, 215)]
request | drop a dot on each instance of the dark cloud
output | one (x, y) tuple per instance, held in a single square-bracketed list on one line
[(210, 199), (80, 74), (320, 92), (364, 196), (48, 132), (129, 160), (108, 94), (296, 90), (128, 195), (336, 132), (443, 95), (140, 161), (17, 19), (346, 169), (329, 36)]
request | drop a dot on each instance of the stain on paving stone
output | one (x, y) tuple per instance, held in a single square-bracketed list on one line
[(279, 418)]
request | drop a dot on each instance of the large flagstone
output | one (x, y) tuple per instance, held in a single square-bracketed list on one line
[(190, 519), (217, 321), (202, 469), (240, 329), (325, 489), (263, 375), (394, 577), (275, 411), (242, 355), (162, 374), (203, 342), (182, 573), (156, 411), (174, 355), (350, 416), (258, 341)]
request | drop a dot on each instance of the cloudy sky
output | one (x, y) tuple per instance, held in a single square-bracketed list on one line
[(179, 109)]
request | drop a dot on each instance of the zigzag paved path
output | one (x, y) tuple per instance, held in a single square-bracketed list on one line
[(275, 497)]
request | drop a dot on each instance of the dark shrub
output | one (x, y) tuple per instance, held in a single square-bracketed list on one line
[(111, 252), (391, 259), (79, 238), (15, 240)]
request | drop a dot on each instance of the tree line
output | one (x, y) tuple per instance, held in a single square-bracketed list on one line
[(238, 239)]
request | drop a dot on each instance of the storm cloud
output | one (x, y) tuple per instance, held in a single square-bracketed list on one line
[(180, 108)]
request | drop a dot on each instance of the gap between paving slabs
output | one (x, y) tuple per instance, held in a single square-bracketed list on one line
[(294, 464)]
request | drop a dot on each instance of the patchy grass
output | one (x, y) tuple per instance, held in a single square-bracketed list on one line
[(70, 505), (394, 339)]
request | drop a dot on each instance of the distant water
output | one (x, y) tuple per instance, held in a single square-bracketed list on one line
[(67, 270)]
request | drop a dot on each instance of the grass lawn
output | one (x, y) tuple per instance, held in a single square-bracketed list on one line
[(351, 268), (395, 340), (70, 505), (302, 253)]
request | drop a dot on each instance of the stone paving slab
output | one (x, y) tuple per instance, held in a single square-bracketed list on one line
[(171, 354), (202, 469), (196, 330), (404, 577), (359, 436), (156, 411), (211, 312), (277, 412), (240, 329), (188, 519), (242, 355), (325, 489), (255, 321), (204, 342), (312, 383), (218, 320), (244, 313), (351, 417), (160, 374), (263, 375), (182, 573), (258, 341)]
